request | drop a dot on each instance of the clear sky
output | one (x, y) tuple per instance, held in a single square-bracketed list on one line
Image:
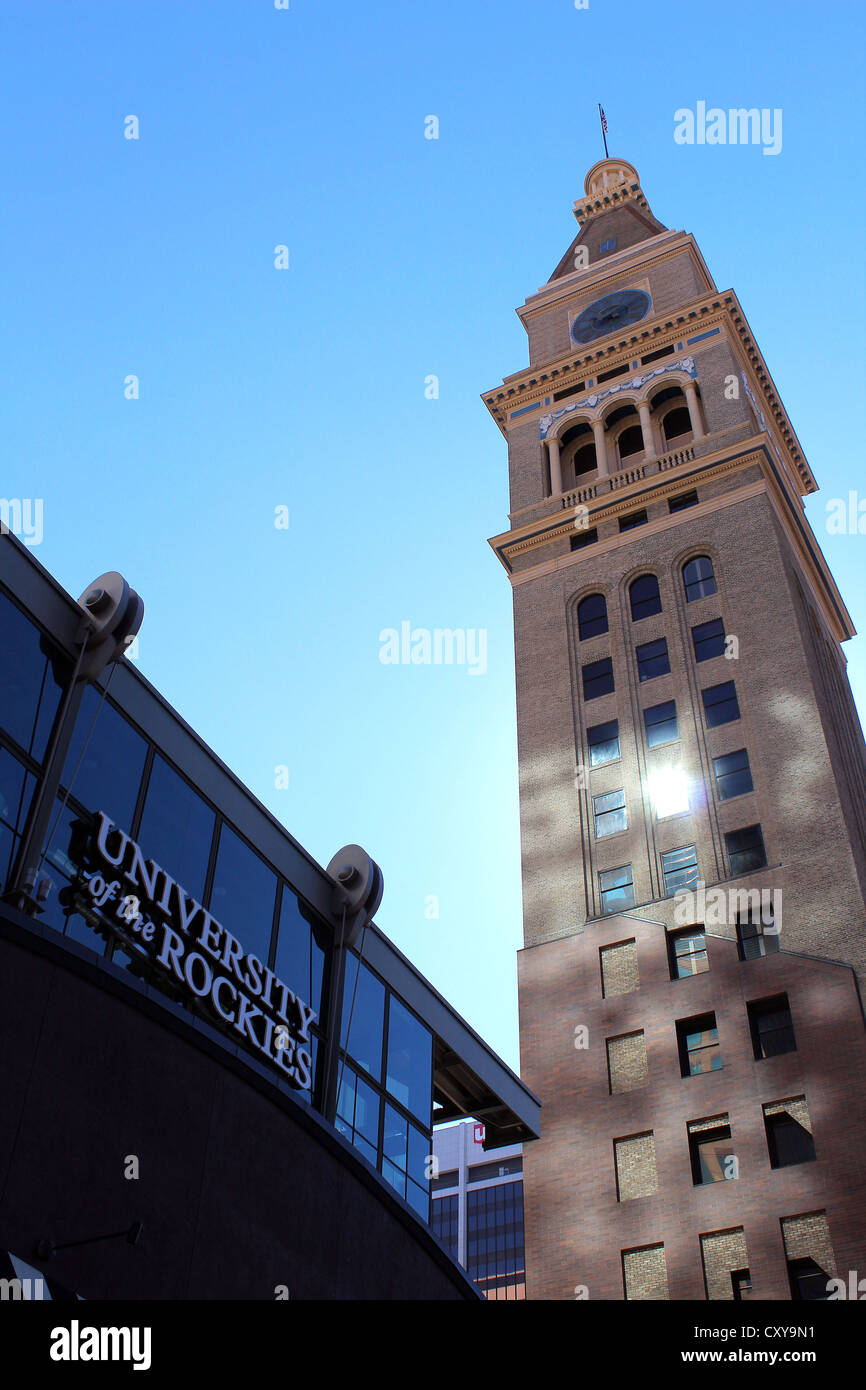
[(305, 388)]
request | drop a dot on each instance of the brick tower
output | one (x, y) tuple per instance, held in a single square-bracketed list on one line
[(692, 793)]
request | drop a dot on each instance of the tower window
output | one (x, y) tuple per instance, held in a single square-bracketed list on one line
[(607, 245), (585, 461), (745, 850), (698, 1040), (660, 722), (720, 704), (610, 813), (772, 1027), (617, 889), (676, 423), (652, 659), (591, 616), (628, 523), (712, 1155), (789, 1133), (582, 538), (741, 1283), (644, 597), (597, 678), (756, 934), (698, 578), (688, 953), (709, 639), (733, 775), (685, 499), (679, 868), (603, 740), (630, 442)]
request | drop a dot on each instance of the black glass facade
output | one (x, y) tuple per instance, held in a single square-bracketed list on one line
[(495, 1253)]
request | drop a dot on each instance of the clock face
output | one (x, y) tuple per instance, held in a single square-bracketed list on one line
[(610, 313)]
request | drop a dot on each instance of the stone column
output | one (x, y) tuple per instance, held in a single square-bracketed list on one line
[(600, 448), (555, 468), (646, 424), (694, 410)]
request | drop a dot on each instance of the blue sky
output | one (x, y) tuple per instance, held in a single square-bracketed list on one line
[(305, 388)]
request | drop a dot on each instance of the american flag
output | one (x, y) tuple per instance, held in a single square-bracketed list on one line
[(603, 119)]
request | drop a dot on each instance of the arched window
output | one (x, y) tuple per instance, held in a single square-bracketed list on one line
[(591, 616), (698, 578), (677, 422), (585, 460), (645, 597), (630, 441)]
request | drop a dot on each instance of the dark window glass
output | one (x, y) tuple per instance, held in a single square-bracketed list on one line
[(772, 1027), (733, 775), (368, 1016), (628, 523), (809, 1282), (504, 1167), (108, 775), (745, 850), (495, 1241), (243, 896), (358, 1114), (591, 616), (709, 639), (617, 889), (679, 503), (676, 423), (631, 442), (712, 1156), (300, 960), (16, 792), (176, 828), (610, 813), (410, 1060), (720, 704), (444, 1222), (644, 597), (607, 245), (660, 722), (582, 538), (699, 580), (788, 1141), (741, 1284), (395, 1149), (597, 678), (698, 1040), (29, 688), (679, 868), (756, 934), (688, 953), (603, 740), (62, 865), (652, 659)]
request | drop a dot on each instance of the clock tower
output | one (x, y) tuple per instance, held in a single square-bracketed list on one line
[(692, 792)]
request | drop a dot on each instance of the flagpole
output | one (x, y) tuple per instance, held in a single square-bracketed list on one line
[(603, 136)]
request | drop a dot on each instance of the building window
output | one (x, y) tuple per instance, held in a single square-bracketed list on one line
[(756, 933), (408, 1075), (109, 762), (809, 1252), (617, 889), (444, 1222), (679, 868), (652, 659), (688, 953), (628, 523), (745, 850), (635, 1163), (603, 740), (405, 1153), (244, 893), (709, 640), (631, 442), (607, 245), (711, 1152), (699, 580), (177, 828), (698, 1040), (685, 499), (619, 968), (660, 722), (364, 998), (358, 1114), (733, 774), (626, 1062), (644, 597), (789, 1133), (582, 538), (677, 422), (29, 688), (494, 1240), (591, 616), (771, 1027), (597, 678), (720, 704), (645, 1274), (741, 1284), (808, 1281), (610, 813)]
